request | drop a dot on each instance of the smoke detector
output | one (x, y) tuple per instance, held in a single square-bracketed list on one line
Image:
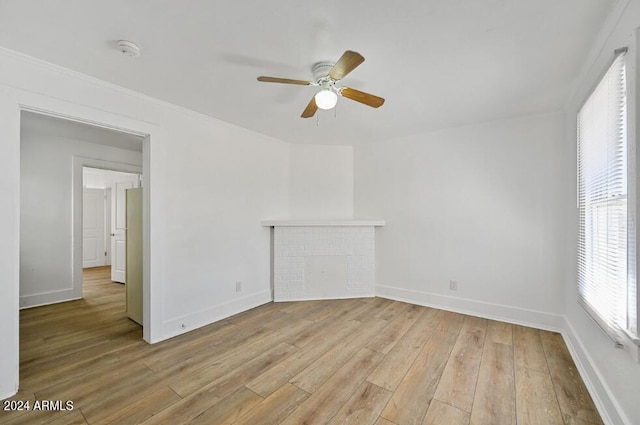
[(129, 48)]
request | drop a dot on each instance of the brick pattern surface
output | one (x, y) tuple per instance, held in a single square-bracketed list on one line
[(292, 245)]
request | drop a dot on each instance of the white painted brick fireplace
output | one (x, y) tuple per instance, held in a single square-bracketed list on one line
[(323, 259)]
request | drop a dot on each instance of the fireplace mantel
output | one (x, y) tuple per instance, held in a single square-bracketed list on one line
[(323, 222)]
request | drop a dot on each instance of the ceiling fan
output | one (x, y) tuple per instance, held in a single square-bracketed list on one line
[(326, 75)]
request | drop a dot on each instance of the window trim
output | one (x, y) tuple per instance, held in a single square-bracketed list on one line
[(623, 338)]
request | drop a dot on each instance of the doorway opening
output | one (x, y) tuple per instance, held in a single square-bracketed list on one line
[(109, 217), (55, 245)]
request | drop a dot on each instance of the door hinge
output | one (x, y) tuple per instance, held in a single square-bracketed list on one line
[(105, 253)]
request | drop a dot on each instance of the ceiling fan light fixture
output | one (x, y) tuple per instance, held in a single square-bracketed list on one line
[(325, 76), (326, 99)]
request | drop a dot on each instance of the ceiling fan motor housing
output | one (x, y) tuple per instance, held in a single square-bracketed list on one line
[(321, 70)]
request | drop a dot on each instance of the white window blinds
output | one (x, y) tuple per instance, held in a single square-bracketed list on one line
[(604, 273)]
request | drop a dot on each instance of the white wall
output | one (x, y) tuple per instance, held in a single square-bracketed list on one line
[(478, 205), (211, 183), (612, 374), (94, 178), (218, 190), (46, 272), (321, 181), (10, 241)]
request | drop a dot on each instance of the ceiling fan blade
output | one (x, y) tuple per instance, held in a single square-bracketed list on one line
[(311, 109), (362, 97), (283, 80), (347, 63)]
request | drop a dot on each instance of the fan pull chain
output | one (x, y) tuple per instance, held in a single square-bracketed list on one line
[(317, 120)]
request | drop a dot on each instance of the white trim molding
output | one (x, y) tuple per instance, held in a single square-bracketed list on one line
[(610, 410), (45, 298), (198, 319), (504, 313)]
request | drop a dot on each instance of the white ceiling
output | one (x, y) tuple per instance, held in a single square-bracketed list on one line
[(438, 63)]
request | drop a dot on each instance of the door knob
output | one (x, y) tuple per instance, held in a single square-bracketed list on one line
[(113, 234)]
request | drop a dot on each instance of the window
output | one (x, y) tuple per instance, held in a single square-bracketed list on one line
[(606, 241)]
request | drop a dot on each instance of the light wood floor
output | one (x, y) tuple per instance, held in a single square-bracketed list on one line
[(362, 361)]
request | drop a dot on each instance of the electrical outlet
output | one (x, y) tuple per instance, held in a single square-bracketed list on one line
[(453, 285), (238, 286)]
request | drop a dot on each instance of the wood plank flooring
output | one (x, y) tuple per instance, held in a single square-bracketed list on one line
[(361, 361)]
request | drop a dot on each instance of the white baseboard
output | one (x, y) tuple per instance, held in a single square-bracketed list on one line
[(6, 395), (504, 313), (37, 300), (210, 315), (605, 401), (345, 297)]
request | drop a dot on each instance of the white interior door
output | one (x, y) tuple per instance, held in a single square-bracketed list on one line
[(118, 225), (93, 228)]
